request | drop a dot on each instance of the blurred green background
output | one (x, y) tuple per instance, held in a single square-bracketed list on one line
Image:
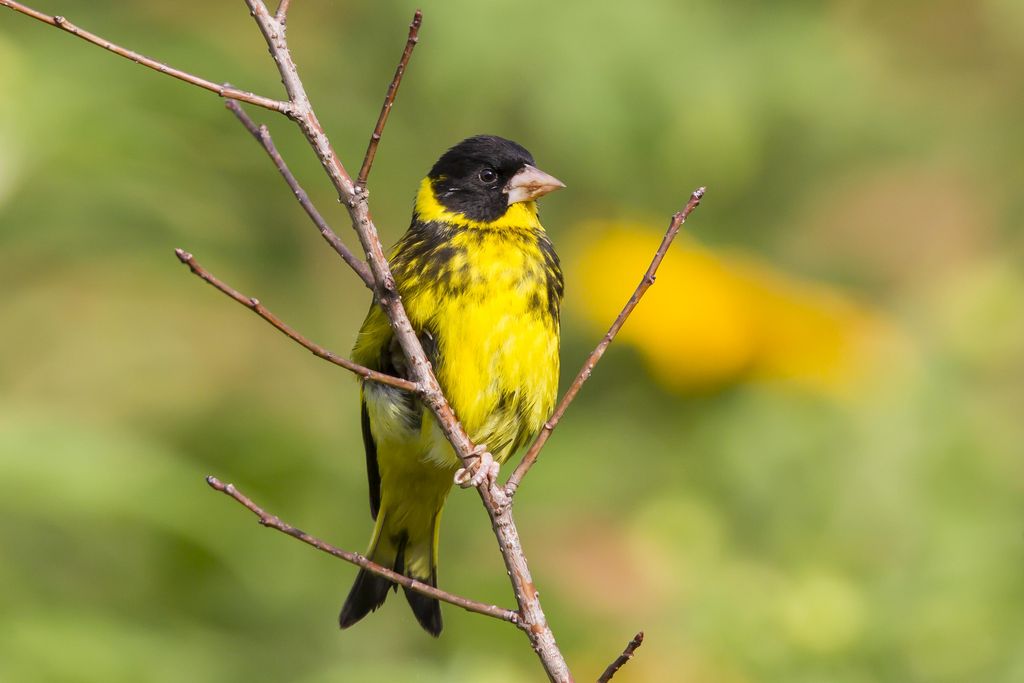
[(802, 462)]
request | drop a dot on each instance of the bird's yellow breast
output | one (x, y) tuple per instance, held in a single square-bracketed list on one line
[(497, 338), (485, 300)]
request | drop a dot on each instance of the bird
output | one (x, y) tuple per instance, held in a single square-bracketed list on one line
[(482, 286)]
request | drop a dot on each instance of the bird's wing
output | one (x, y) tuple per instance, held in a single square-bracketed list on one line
[(372, 468), (378, 349), (370, 351)]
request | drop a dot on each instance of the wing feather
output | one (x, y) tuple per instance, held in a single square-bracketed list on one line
[(372, 468)]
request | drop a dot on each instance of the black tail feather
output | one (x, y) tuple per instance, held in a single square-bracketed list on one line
[(367, 594), (370, 590), (427, 610)]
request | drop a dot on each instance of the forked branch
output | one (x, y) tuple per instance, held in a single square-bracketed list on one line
[(533, 621), (282, 11)]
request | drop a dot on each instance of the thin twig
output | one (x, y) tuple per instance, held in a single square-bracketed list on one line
[(389, 99), (262, 136), (231, 93), (621, 660), (273, 522), (648, 279), (317, 350), (282, 11)]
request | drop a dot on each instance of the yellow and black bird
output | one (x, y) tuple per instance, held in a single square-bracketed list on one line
[(482, 286)]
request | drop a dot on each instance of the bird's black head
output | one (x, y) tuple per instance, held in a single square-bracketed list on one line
[(483, 175)]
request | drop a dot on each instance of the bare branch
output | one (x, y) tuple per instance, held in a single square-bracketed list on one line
[(496, 499), (533, 621), (317, 350), (282, 11), (621, 660), (389, 98), (301, 109), (355, 200), (274, 522), (231, 93), (648, 279), (262, 136)]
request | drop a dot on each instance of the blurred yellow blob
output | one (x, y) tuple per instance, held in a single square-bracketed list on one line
[(714, 318)]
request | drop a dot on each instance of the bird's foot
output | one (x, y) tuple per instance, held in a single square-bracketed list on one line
[(482, 469)]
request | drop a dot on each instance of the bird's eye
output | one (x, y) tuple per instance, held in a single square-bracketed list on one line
[(488, 176)]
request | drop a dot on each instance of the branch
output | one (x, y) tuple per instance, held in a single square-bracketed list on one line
[(231, 93), (532, 619), (282, 11), (317, 350), (621, 660), (497, 500), (301, 111), (274, 522), (262, 136), (588, 366), (389, 98)]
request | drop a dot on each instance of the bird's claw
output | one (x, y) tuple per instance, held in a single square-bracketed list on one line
[(484, 468)]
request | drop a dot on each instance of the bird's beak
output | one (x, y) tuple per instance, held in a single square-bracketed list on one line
[(529, 183)]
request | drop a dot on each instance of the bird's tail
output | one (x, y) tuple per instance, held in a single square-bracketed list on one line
[(412, 552)]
